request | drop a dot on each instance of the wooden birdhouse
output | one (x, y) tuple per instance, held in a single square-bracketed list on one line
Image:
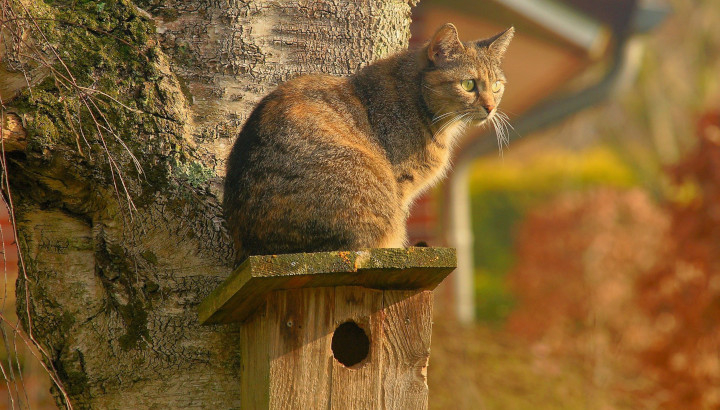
[(333, 329)]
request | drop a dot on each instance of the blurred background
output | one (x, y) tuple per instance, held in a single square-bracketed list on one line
[(589, 248)]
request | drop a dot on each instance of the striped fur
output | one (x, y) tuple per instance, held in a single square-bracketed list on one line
[(327, 163)]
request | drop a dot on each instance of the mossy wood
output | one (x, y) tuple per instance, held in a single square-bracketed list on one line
[(247, 287)]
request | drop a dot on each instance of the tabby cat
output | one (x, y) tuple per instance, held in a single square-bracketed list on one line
[(327, 163)]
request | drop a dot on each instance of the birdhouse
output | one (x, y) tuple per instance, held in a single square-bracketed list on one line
[(333, 329)]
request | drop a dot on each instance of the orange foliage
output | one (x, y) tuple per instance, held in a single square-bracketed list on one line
[(579, 259), (631, 287), (683, 291)]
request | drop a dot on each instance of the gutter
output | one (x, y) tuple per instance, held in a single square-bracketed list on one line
[(567, 23)]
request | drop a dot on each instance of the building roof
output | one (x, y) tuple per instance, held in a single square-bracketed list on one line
[(615, 13)]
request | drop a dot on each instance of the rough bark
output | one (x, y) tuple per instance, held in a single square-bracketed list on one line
[(114, 285), (14, 137)]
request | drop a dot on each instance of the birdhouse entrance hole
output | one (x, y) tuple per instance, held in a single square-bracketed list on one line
[(350, 344)]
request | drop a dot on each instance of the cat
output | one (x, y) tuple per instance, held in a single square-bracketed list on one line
[(327, 163)]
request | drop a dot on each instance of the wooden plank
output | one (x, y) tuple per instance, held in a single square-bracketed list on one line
[(255, 359), (300, 326), (406, 327), (245, 290), (287, 356), (358, 387)]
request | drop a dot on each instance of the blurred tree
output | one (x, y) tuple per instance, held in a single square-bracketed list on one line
[(681, 295), (579, 257), (505, 189), (629, 286)]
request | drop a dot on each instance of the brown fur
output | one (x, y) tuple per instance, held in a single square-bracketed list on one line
[(327, 163)]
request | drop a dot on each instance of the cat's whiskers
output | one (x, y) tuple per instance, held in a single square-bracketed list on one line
[(452, 121), (445, 125), (505, 119), (504, 125), (501, 123), (437, 118), (500, 133), (467, 120), (438, 114), (462, 119)]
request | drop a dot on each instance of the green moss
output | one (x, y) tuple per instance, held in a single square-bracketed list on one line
[(44, 128), (184, 52), (66, 322), (105, 46), (113, 263), (72, 372), (134, 315), (150, 257), (195, 174), (43, 121), (151, 287)]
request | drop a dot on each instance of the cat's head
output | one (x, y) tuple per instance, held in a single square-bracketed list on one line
[(463, 81)]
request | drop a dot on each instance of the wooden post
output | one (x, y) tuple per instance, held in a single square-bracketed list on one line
[(333, 329)]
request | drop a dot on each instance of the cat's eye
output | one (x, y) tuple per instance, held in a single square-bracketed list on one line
[(497, 85), (467, 85)]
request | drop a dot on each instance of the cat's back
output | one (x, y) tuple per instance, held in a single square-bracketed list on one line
[(305, 162), (315, 100), (313, 121)]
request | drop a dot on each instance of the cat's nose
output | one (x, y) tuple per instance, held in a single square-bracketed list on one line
[(489, 108)]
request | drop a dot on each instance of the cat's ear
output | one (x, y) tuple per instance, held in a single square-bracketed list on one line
[(498, 44), (445, 44)]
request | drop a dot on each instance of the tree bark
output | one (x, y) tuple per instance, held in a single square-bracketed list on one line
[(116, 185)]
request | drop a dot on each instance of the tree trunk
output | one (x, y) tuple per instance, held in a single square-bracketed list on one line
[(117, 183)]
